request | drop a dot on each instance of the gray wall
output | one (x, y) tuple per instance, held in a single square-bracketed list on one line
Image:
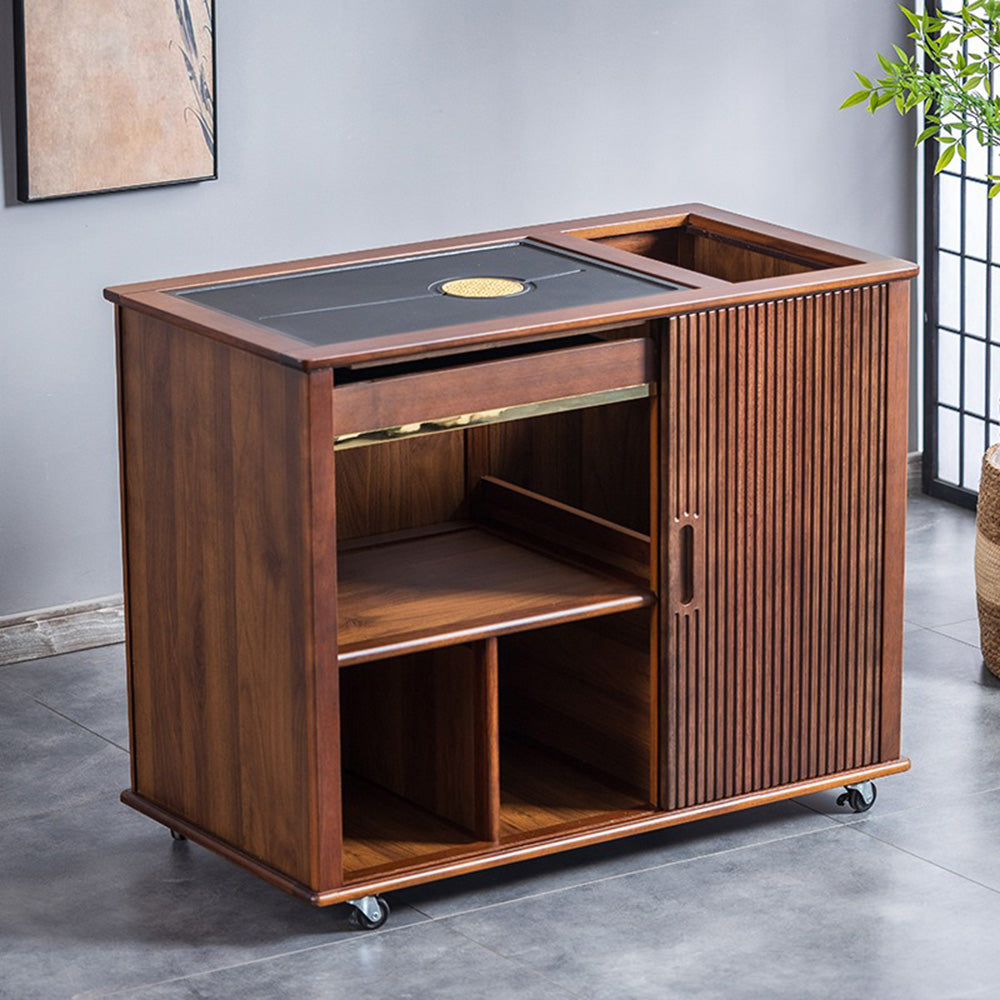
[(351, 125)]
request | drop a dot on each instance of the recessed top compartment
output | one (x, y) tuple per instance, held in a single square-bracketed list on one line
[(727, 253), (402, 294)]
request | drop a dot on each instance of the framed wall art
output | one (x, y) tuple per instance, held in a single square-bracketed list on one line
[(113, 95)]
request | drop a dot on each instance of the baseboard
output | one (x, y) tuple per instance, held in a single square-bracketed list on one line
[(64, 629), (914, 473)]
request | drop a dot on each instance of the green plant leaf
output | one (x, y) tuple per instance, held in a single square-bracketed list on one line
[(856, 98), (926, 134), (863, 80), (944, 159)]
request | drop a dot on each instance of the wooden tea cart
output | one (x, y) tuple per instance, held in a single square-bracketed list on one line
[(443, 556)]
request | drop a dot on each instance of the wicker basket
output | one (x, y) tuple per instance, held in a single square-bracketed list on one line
[(988, 560)]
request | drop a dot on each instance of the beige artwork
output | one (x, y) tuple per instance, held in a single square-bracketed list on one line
[(116, 94)]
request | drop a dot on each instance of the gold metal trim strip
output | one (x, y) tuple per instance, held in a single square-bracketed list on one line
[(381, 435)]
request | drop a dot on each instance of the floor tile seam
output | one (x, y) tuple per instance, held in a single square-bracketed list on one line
[(514, 960), (958, 621), (356, 938), (936, 629), (816, 812), (927, 861), (620, 875), (79, 725)]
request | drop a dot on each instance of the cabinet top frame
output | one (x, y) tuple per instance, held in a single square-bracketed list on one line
[(625, 242)]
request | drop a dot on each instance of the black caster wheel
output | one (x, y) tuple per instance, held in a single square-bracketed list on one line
[(174, 835), (859, 798), (377, 913)]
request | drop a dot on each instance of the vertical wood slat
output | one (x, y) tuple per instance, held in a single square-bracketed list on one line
[(894, 315), (783, 450)]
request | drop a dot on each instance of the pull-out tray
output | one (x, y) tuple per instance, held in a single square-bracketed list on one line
[(567, 378)]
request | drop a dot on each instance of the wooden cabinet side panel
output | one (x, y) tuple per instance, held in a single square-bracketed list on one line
[(216, 485), (782, 495)]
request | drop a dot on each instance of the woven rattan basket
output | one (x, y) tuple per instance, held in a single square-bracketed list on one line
[(988, 560)]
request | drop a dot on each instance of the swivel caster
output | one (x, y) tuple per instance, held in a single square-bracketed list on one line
[(174, 835), (860, 797), (370, 912)]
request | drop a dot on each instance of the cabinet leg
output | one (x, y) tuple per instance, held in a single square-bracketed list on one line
[(371, 911)]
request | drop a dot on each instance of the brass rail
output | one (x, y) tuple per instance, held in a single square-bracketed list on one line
[(359, 439)]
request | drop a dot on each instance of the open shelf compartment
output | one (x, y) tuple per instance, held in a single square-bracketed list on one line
[(416, 750), (461, 581), (495, 579), (576, 722), (474, 747), (486, 530)]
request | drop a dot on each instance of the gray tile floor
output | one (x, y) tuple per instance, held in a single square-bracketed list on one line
[(798, 899)]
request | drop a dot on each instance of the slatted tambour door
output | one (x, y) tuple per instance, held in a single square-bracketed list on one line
[(774, 428)]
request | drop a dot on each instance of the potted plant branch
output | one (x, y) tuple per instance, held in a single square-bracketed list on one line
[(950, 78)]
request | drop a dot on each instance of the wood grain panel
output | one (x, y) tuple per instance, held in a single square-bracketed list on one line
[(703, 252), (400, 484), (595, 459), (544, 794), (435, 590), (384, 833), (779, 472), (322, 681), (583, 691), (218, 542), (492, 385), (422, 727), (562, 530)]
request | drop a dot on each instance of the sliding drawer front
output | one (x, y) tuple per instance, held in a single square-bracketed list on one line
[(775, 430), (491, 385)]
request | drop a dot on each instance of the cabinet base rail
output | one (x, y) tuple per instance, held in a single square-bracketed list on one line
[(494, 856)]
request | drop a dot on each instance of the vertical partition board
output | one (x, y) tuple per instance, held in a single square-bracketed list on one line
[(220, 487), (782, 520)]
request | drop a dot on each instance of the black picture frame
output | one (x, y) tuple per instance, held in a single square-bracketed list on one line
[(198, 66)]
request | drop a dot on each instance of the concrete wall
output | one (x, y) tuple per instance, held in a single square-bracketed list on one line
[(351, 125)]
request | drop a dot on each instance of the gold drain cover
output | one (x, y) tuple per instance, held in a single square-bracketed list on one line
[(482, 288)]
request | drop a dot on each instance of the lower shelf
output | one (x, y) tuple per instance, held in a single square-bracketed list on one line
[(542, 793), (383, 830)]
